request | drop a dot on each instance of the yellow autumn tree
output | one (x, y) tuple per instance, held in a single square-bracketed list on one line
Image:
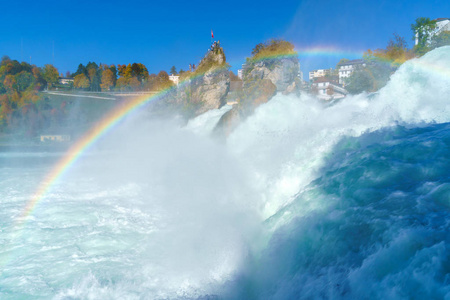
[(81, 81), (107, 80), (121, 83), (134, 83), (127, 73), (50, 74)]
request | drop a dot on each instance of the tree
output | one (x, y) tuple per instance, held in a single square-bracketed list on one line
[(50, 74), (273, 47), (67, 74), (114, 71), (360, 81), (24, 80), (94, 73), (81, 81), (257, 48), (39, 80), (134, 83), (396, 51), (10, 84), (5, 58), (107, 80), (440, 40), (173, 70), (121, 83), (121, 69), (422, 30), (81, 70)]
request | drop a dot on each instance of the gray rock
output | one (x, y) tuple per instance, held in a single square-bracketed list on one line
[(209, 85), (283, 72)]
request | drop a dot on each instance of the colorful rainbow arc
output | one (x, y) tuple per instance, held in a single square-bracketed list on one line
[(119, 113), (328, 51), (114, 117), (95, 133)]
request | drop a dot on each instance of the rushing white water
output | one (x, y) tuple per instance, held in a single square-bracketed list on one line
[(302, 200)]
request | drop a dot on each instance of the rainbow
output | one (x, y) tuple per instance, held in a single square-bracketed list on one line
[(94, 134), (116, 115), (330, 51)]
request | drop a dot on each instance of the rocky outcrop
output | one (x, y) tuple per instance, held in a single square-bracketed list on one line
[(254, 94), (282, 72), (262, 80), (208, 86)]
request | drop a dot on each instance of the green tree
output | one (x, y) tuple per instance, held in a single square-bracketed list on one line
[(94, 74), (422, 30), (360, 81), (114, 71), (173, 70), (50, 74), (24, 80), (81, 70)]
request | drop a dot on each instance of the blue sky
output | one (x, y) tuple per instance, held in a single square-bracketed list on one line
[(161, 34)]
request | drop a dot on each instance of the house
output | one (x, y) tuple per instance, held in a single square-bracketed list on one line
[(442, 24), (65, 80), (346, 69), (327, 89), (175, 79), (55, 137), (239, 74), (319, 73)]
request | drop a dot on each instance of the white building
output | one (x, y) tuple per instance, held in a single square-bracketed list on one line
[(327, 89), (239, 74), (319, 73), (174, 78), (346, 69), (55, 137), (65, 80), (442, 24)]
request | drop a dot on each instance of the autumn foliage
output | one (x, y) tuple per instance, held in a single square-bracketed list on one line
[(19, 86)]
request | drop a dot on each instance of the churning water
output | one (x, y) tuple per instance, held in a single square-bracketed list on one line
[(303, 200)]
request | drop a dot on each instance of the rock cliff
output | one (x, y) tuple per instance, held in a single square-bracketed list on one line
[(207, 87), (263, 78), (282, 72)]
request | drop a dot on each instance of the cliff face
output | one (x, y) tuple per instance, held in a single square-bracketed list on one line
[(208, 86), (283, 72), (253, 94), (262, 80)]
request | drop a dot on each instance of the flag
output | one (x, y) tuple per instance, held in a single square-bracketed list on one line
[(212, 34)]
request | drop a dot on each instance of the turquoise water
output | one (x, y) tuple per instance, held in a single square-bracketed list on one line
[(303, 201), (385, 232)]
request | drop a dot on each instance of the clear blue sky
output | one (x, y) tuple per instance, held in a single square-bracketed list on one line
[(160, 34)]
